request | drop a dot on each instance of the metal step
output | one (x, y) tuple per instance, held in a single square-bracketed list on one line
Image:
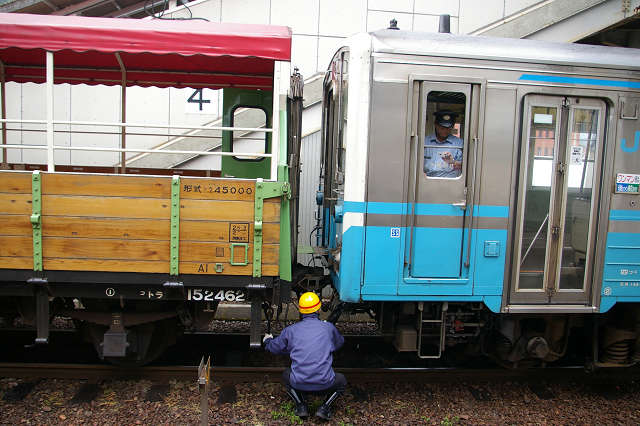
[(440, 335)]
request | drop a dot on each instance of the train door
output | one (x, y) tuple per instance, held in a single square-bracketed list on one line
[(437, 231), (559, 179)]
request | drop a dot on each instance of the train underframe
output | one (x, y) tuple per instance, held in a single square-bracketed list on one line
[(132, 322), (131, 319), (459, 333)]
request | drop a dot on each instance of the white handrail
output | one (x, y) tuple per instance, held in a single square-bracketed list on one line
[(173, 135), (146, 125), (150, 151)]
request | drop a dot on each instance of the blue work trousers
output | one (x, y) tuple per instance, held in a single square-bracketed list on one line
[(339, 383)]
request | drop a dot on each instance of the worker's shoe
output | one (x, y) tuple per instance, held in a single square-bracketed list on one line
[(324, 411), (301, 405)]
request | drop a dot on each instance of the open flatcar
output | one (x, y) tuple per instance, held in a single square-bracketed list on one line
[(131, 253)]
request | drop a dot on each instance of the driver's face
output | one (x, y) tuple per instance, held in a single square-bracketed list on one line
[(442, 132)]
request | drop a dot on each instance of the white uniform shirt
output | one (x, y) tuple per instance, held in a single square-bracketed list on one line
[(434, 165)]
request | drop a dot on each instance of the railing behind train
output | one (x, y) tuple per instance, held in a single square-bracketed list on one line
[(51, 147)]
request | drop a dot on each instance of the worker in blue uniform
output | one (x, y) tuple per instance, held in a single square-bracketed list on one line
[(310, 344), (442, 150)]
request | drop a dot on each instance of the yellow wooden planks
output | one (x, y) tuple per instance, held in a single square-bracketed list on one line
[(110, 265), (149, 208), (16, 246), (16, 262), (137, 208), (15, 204), (130, 186), (121, 223), (135, 229), (223, 231), (15, 225), (15, 182), (89, 248)]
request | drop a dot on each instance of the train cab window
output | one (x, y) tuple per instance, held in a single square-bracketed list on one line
[(443, 145), (247, 141)]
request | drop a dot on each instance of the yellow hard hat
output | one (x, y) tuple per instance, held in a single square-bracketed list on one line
[(309, 303)]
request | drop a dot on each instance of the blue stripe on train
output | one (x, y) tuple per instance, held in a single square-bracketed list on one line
[(624, 215), (424, 209), (578, 80)]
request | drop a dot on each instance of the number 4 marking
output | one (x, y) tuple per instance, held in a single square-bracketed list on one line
[(192, 99)]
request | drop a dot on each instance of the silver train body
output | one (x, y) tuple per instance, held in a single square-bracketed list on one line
[(534, 229)]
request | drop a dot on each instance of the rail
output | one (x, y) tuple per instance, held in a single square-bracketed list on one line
[(273, 374)]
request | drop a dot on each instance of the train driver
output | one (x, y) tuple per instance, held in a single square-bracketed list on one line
[(442, 150), (310, 344)]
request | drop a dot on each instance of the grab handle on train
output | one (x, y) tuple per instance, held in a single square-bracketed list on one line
[(462, 205)]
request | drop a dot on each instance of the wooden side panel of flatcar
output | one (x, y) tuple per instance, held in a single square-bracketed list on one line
[(122, 223)]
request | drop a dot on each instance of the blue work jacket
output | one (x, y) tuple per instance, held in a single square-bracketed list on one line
[(310, 344)]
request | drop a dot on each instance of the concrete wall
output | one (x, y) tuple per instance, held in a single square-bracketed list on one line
[(319, 26)]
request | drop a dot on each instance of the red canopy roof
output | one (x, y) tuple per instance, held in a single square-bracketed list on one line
[(163, 53)]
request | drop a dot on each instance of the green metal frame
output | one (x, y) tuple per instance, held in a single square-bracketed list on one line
[(259, 170), (36, 218), (285, 213), (246, 254), (233, 99), (264, 190), (175, 226)]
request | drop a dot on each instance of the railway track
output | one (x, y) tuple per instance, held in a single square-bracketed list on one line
[(98, 372)]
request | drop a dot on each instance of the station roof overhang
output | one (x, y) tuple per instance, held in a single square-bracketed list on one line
[(161, 53)]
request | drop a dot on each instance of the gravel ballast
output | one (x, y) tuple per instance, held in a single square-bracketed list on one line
[(61, 402)]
